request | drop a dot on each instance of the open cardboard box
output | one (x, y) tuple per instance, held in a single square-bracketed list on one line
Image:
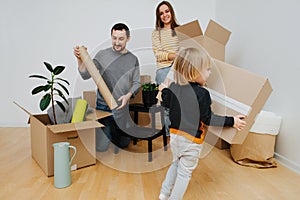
[(80, 134), (236, 91), (213, 40)]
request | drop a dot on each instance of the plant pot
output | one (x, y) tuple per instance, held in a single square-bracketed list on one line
[(149, 98)]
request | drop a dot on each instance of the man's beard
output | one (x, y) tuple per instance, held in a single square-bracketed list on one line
[(118, 49)]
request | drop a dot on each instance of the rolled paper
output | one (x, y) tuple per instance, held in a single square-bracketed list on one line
[(79, 111), (101, 85)]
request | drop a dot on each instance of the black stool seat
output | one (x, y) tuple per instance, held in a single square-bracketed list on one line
[(147, 133)]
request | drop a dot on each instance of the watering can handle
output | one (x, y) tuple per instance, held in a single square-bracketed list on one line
[(74, 148)]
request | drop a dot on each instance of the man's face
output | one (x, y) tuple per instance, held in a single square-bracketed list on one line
[(119, 40)]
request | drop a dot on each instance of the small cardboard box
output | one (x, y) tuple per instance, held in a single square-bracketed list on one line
[(143, 118), (43, 135), (236, 91), (258, 148), (213, 40)]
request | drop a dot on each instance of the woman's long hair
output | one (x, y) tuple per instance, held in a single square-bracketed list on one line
[(159, 24)]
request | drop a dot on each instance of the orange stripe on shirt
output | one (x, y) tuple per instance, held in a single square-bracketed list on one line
[(189, 136)]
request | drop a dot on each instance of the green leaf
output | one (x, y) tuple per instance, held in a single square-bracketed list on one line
[(63, 87), (61, 95), (59, 92), (57, 70), (61, 106), (45, 101), (38, 76), (38, 89), (47, 87), (67, 82), (149, 87), (49, 67)]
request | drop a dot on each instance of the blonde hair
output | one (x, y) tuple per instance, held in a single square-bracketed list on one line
[(189, 63)]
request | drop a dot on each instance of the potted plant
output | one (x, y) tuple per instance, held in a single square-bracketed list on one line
[(50, 88), (149, 93)]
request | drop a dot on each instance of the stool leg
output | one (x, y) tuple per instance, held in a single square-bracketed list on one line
[(165, 142), (149, 150), (116, 149)]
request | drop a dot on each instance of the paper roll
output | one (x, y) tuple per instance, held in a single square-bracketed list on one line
[(101, 85), (79, 111)]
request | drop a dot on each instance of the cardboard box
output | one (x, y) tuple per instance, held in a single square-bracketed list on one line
[(236, 91), (43, 135), (81, 135), (213, 40), (258, 148), (143, 118)]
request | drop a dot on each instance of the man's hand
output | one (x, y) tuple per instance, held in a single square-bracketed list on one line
[(76, 53), (125, 98)]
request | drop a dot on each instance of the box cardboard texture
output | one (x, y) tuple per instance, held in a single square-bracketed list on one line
[(143, 118), (236, 91), (233, 90), (213, 40)]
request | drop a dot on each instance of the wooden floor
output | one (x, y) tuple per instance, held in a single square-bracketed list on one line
[(217, 177)]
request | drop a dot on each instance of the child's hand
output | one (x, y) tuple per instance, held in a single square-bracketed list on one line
[(239, 122), (161, 87)]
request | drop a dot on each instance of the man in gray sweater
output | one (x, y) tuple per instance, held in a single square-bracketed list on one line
[(119, 69)]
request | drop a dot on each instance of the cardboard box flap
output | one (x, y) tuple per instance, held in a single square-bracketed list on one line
[(217, 32), (224, 77), (60, 128), (189, 30), (98, 114)]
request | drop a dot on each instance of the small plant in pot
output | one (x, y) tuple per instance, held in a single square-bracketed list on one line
[(51, 89), (149, 93)]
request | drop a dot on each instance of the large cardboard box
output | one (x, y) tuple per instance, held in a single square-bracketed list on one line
[(80, 134), (236, 91), (213, 40)]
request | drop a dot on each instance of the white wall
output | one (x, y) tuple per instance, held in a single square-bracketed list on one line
[(34, 31), (265, 40)]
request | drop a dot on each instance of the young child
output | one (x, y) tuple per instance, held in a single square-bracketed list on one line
[(190, 112)]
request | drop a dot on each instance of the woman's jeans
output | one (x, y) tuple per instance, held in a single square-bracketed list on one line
[(161, 74), (185, 159), (160, 77)]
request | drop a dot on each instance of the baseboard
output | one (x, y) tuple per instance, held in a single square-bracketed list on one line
[(287, 163)]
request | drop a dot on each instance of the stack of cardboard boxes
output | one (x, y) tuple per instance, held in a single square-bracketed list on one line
[(233, 90)]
